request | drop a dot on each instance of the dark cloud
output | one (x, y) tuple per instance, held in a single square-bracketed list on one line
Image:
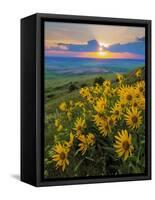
[(137, 47), (142, 39), (91, 46)]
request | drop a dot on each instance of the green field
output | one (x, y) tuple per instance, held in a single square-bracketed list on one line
[(59, 88)]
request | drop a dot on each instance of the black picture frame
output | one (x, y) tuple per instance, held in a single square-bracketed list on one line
[(32, 98)]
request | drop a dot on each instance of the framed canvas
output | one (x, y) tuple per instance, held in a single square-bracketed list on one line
[(85, 99)]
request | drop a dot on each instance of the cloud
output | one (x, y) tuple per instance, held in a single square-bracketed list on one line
[(142, 39), (137, 47), (90, 46)]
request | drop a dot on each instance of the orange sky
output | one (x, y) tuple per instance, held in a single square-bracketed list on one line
[(98, 54)]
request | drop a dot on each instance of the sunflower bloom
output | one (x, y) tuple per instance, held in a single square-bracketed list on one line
[(106, 83), (113, 92), (128, 94), (63, 106), (121, 104), (71, 141), (90, 99), (79, 104), (104, 128), (58, 125), (142, 103), (98, 119), (90, 139), (136, 103), (83, 145), (123, 144), (79, 124), (84, 92), (61, 156), (69, 115), (119, 78), (140, 86), (111, 120), (97, 89), (116, 111), (138, 73), (85, 142), (133, 118), (100, 105)]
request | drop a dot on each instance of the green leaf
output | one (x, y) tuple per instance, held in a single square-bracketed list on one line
[(78, 165), (108, 149), (91, 159)]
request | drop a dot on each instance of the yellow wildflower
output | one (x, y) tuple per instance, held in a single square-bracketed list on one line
[(138, 73), (63, 106), (123, 144), (119, 78), (61, 156), (79, 124), (58, 125), (100, 105), (116, 111), (133, 118), (85, 142)]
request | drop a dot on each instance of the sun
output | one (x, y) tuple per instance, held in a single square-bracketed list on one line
[(101, 51), (104, 44)]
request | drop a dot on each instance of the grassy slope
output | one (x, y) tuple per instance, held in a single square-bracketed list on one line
[(57, 88)]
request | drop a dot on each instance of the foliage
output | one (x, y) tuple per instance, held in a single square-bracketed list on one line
[(99, 80), (72, 87), (99, 133)]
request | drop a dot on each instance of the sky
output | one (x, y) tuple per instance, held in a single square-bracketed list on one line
[(94, 41)]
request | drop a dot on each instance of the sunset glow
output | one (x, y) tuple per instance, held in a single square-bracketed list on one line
[(94, 41)]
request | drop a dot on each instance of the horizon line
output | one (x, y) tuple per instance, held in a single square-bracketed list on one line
[(94, 58)]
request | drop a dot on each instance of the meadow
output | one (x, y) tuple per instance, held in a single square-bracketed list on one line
[(94, 124)]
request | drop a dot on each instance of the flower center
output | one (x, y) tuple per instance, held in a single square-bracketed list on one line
[(79, 128), (106, 127), (111, 122), (126, 145), (129, 97), (62, 156), (141, 89), (117, 112), (137, 95), (104, 118), (117, 80), (134, 119), (122, 105)]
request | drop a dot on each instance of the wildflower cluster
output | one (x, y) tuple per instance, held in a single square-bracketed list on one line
[(102, 132)]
